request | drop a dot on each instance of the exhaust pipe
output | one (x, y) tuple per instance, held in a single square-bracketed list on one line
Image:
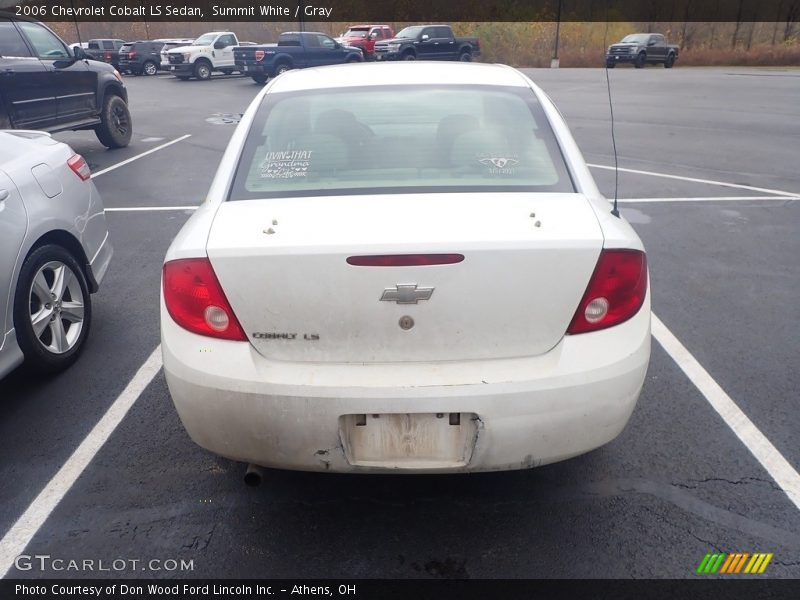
[(253, 475)]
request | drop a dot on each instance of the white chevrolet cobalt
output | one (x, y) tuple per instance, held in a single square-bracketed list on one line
[(398, 269)]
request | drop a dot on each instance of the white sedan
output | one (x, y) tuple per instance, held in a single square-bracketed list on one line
[(398, 269)]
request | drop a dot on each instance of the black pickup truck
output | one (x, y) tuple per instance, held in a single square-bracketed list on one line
[(640, 49), (294, 50), (45, 85), (428, 42)]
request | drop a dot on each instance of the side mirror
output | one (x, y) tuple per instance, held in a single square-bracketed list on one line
[(336, 45), (651, 43), (79, 53), (425, 37), (219, 45)]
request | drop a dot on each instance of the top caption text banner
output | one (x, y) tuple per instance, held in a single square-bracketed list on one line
[(428, 11)]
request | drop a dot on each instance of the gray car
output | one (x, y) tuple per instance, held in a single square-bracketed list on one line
[(54, 251)]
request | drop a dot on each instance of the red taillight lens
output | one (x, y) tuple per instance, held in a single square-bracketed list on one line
[(79, 167), (404, 260), (259, 54), (615, 293), (131, 55), (108, 55), (196, 302)]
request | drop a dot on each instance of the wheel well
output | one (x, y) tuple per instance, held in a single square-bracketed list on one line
[(408, 51), (202, 59), (111, 90), (59, 237)]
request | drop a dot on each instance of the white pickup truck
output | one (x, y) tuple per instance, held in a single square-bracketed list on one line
[(210, 52)]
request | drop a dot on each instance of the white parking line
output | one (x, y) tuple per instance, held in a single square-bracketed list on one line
[(22, 532), (696, 180), (707, 199), (138, 156), (784, 474)]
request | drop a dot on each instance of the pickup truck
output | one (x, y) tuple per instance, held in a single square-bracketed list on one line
[(210, 52), (294, 50), (640, 49), (428, 42), (48, 86), (365, 37), (105, 50)]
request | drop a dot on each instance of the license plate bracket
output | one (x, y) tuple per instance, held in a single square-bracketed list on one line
[(409, 440)]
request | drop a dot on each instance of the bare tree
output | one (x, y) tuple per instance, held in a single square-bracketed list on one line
[(792, 13), (738, 24), (777, 21)]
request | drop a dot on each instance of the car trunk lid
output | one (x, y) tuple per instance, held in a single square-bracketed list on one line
[(283, 264)]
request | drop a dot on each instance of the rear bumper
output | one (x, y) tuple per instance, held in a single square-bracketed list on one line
[(129, 65), (530, 411), (97, 268), (252, 68)]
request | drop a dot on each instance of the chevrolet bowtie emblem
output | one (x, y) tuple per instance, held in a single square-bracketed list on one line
[(406, 294)]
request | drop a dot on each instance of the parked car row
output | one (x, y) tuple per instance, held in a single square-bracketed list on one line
[(222, 51)]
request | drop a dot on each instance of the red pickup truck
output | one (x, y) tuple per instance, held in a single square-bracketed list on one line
[(364, 37)]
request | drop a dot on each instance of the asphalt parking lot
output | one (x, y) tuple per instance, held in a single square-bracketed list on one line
[(712, 187)]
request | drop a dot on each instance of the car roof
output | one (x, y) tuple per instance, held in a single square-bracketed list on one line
[(397, 73)]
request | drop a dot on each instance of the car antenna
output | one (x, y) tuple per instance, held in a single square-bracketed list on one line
[(75, 20), (615, 210)]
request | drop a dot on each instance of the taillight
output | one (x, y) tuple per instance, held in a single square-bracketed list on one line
[(615, 292), (131, 55), (259, 55), (79, 167), (196, 302), (108, 56)]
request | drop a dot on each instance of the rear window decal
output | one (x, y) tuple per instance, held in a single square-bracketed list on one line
[(285, 164)]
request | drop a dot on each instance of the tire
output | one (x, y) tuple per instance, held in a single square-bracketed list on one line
[(465, 56), (227, 71), (640, 60), (202, 70), (50, 337), (281, 68), (116, 125), (409, 56), (183, 77), (669, 62), (611, 64), (259, 79), (149, 68), (352, 59)]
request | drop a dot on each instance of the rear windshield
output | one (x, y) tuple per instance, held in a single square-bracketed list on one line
[(400, 139), (360, 32), (126, 47)]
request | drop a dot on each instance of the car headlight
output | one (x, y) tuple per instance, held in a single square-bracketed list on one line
[(393, 47), (118, 76), (186, 56)]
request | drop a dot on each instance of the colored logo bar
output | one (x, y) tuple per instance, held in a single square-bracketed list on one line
[(736, 563)]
